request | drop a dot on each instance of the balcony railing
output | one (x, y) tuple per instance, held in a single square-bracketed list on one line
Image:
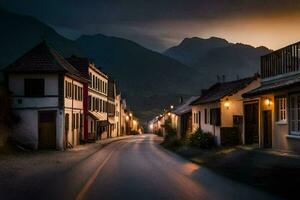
[(280, 62)]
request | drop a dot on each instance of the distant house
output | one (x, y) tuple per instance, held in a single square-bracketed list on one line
[(273, 117), (47, 95), (111, 108), (95, 99), (219, 110), (123, 117), (181, 118)]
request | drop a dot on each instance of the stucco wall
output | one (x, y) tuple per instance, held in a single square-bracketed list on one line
[(235, 107), (280, 131)]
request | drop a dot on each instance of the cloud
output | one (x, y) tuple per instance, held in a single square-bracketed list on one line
[(158, 24)]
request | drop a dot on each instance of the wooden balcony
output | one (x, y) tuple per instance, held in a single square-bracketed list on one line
[(281, 62)]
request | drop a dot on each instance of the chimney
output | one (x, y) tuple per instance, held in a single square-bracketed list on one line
[(223, 78), (218, 79), (180, 100)]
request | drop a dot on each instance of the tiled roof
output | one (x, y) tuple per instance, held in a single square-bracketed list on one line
[(273, 86), (81, 64), (41, 59), (185, 107), (220, 90)]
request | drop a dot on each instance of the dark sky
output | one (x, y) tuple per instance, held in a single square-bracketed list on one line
[(158, 24)]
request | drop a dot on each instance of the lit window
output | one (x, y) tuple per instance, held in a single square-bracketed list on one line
[(281, 109)]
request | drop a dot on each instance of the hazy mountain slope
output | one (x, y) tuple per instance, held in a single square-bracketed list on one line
[(20, 33), (216, 56), (143, 75)]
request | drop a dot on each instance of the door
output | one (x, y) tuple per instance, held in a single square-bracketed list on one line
[(251, 123), (67, 128), (47, 129), (267, 120)]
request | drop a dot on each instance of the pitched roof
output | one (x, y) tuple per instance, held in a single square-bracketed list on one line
[(185, 107), (42, 58), (82, 64), (273, 86), (220, 90)]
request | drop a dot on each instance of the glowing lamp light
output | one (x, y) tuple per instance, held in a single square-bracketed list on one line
[(127, 117), (134, 122), (169, 114), (173, 115), (172, 106), (130, 114), (151, 126), (267, 102), (226, 104)]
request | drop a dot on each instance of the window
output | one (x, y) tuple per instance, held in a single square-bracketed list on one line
[(81, 120), (281, 109), (101, 107), (90, 103), (66, 89), (73, 121), (295, 114), (34, 87), (199, 117), (205, 116), (215, 116), (77, 120), (67, 122)]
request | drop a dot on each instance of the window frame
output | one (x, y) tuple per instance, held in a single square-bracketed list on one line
[(28, 90)]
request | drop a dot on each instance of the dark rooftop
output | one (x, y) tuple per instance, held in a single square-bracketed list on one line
[(40, 59), (220, 90)]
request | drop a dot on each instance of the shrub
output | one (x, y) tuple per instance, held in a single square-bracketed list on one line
[(170, 131), (134, 132), (204, 140), (159, 133)]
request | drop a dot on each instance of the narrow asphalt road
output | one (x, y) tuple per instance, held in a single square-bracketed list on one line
[(135, 168)]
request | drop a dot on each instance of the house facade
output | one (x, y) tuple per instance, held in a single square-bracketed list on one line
[(95, 99), (220, 111), (47, 95), (111, 109), (181, 118), (275, 104)]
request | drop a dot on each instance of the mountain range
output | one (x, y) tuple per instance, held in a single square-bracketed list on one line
[(149, 80), (214, 57)]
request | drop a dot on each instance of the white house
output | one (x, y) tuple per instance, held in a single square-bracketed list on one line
[(47, 95), (272, 110), (220, 111)]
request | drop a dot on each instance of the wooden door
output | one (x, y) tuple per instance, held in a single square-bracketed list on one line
[(251, 123), (47, 130), (267, 121)]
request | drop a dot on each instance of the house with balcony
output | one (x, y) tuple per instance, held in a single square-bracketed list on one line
[(47, 95), (272, 110), (95, 98), (219, 110)]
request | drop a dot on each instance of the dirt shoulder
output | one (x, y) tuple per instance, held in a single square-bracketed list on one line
[(276, 173)]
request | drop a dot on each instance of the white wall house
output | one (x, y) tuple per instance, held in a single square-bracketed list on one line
[(47, 95), (220, 109)]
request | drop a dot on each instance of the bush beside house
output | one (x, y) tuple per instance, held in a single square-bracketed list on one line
[(203, 140)]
